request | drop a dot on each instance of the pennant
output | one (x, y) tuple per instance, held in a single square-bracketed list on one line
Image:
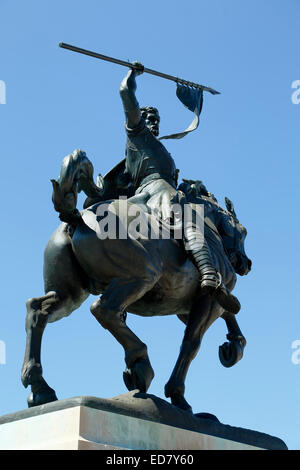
[(192, 98)]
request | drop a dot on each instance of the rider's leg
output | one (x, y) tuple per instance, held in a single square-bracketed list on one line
[(211, 281)]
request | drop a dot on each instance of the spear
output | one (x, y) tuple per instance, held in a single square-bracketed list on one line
[(133, 66)]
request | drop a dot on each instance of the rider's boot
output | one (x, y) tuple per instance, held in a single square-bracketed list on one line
[(211, 281)]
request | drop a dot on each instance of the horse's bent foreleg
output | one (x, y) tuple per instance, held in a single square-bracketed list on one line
[(109, 311), (197, 323), (232, 351)]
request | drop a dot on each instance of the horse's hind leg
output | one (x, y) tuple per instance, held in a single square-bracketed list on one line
[(109, 311), (64, 293), (38, 310), (41, 310)]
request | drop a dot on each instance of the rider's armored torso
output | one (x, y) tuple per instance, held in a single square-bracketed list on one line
[(147, 158)]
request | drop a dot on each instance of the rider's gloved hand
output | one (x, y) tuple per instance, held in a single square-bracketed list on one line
[(139, 68)]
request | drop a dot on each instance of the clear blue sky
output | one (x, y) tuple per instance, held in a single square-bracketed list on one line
[(246, 148)]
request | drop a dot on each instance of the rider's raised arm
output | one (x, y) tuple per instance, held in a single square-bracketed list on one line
[(130, 103)]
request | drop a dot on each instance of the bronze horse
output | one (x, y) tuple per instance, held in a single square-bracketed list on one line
[(145, 277)]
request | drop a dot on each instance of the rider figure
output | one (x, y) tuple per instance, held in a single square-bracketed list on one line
[(152, 170), (148, 163)]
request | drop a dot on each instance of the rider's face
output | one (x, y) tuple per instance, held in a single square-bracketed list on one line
[(152, 122)]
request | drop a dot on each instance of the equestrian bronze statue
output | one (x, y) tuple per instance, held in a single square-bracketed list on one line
[(191, 276)]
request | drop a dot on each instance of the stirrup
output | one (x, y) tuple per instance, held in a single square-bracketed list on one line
[(210, 283)]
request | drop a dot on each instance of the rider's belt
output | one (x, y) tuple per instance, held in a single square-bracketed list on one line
[(157, 176)]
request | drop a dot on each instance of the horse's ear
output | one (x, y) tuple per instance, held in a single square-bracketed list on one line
[(100, 181), (230, 207)]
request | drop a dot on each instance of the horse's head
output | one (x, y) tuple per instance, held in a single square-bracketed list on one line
[(233, 235)]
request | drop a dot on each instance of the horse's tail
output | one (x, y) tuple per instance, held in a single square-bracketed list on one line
[(76, 174)]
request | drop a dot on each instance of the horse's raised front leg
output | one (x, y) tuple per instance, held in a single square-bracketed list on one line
[(110, 313), (200, 318), (232, 351)]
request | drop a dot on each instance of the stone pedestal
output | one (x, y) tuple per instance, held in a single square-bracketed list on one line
[(134, 421)]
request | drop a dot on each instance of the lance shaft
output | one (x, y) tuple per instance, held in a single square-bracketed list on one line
[(133, 66)]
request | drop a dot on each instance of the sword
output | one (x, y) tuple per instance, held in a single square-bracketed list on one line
[(133, 66)]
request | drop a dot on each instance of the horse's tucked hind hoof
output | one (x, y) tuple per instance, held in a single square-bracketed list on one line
[(139, 376), (41, 398)]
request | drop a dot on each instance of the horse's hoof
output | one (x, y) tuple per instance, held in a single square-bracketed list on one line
[(232, 352), (139, 376), (128, 380), (41, 398), (174, 388), (180, 402)]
